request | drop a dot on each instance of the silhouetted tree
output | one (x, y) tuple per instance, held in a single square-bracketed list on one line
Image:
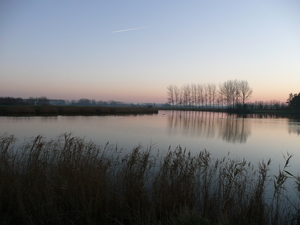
[(177, 94), (171, 97), (244, 90), (43, 100), (186, 95), (193, 94), (235, 92), (84, 101), (228, 91), (211, 88), (294, 101), (205, 94)]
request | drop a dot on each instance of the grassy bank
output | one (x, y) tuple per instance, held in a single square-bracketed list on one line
[(72, 110), (71, 181)]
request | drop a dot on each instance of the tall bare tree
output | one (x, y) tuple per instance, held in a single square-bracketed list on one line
[(176, 95), (205, 94), (193, 94), (213, 89), (236, 95), (211, 92), (227, 90), (186, 95), (170, 91), (200, 94), (245, 90)]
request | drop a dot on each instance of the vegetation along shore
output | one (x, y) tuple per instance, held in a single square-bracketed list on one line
[(231, 97), (37, 110), (68, 180)]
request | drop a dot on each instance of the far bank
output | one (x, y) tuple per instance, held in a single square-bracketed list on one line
[(20, 110)]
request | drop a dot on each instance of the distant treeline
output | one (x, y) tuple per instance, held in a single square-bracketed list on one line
[(53, 110), (29, 101), (81, 102)]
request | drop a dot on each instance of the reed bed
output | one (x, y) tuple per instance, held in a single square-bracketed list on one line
[(68, 180)]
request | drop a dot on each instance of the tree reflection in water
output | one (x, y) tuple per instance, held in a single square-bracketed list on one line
[(294, 126), (231, 128)]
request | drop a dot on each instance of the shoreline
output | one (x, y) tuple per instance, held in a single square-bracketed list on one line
[(51, 110), (54, 110)]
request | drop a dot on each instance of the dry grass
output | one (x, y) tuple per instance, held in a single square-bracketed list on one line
[(71, 181)]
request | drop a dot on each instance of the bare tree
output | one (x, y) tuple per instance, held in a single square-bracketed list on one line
[(227, 90), (213, 93), (186, 95), (209, 94), (176, 95), (170, 91), (205, 94), (245, 90), (236, 95), (193, 94), (181, 101), (200, 91)]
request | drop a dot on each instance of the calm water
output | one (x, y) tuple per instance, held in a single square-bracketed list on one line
[(250, 138)]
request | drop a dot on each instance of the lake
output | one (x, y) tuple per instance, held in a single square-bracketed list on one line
[(253, 138)]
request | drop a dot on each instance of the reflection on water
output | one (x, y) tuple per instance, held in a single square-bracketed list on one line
[(252, 136), (294, 126), (230, 128)]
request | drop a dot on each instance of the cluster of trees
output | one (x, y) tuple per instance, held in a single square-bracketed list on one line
[(20, 101), (45, 101), (81, 102), (267, 105), (230, 93), (294, 101), (93, 102)]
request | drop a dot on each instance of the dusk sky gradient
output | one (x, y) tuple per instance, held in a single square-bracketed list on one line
[(131, 51)]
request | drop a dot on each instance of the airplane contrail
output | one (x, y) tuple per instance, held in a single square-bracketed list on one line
[(136, 28)]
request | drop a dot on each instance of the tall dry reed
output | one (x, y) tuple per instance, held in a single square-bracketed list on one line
[(68, 180)]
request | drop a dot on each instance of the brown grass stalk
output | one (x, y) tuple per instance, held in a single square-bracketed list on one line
[(68, 180)]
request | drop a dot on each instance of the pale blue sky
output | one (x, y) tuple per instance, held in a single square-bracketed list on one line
[(70, 50)]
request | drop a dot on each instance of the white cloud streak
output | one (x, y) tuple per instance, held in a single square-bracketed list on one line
[(136, 28)]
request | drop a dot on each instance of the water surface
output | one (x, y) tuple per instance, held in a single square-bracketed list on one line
[(253, 138)]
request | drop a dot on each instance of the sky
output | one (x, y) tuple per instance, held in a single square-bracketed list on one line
[(131, 51)]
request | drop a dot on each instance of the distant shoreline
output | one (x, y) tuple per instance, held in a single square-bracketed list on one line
[(49, 110)]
